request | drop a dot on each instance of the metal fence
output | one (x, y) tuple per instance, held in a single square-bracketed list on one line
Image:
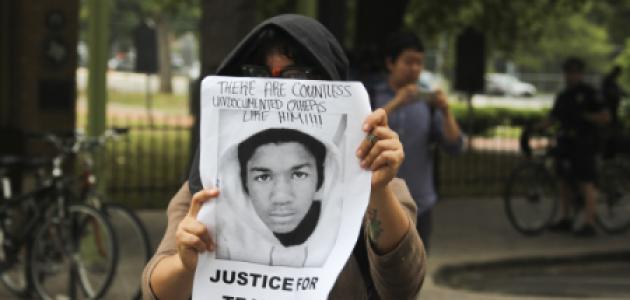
[(148, 166), (480, 171)]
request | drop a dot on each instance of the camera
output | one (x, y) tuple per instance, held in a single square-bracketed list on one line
[(423, 95)]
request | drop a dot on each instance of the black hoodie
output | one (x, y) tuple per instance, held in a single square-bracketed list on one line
[(307, 32)]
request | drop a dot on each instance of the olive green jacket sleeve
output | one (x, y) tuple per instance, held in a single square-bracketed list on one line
[(396, 275)]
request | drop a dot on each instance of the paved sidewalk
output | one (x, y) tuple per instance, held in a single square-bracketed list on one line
[(466, 231), (476, 230), (469, 231)]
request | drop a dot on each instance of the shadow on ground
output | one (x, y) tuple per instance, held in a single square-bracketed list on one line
[(593, 275)]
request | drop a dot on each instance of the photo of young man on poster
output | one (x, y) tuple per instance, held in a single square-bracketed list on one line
[(276, 189)]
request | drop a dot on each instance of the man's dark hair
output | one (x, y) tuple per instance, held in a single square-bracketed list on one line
[(401, 41), (247, 148), (573, 64)]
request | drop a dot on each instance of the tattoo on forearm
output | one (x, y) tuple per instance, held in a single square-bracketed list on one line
[(374, 225)]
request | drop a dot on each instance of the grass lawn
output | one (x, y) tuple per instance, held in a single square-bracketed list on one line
[(145, 168), (173, 104), (162, 102), (148, 167)]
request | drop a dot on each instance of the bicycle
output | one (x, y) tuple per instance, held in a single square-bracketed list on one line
[(127, 225), (12, 271), (531, 191), (46, 241)]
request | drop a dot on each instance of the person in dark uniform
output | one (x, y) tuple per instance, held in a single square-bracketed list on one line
[(580, 113)]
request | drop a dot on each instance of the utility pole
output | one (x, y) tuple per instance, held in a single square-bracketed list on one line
[(98, 49)]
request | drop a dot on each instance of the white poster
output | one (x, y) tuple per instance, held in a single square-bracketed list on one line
[(292, 193)]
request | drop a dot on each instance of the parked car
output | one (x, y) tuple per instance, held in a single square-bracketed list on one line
[(122, 61), (508, 85)]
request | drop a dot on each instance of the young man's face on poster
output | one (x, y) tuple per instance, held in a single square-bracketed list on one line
[(282, 181)]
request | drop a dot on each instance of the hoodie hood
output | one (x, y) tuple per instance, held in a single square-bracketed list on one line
[(307, 32)]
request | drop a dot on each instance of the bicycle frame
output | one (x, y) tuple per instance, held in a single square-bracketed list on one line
[(49, 224), (34, 205)]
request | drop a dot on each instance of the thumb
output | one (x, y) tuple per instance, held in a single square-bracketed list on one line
[(199, 199)]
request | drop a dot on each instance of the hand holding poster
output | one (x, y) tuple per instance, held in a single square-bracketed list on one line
[(282, 154)]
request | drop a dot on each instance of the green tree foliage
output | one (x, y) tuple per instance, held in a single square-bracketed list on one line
[(623, 59), (571, 36), (185, 12), (169, 17), (535, 34), (269, 8), (183, 15), (615, 16), (506, 23)]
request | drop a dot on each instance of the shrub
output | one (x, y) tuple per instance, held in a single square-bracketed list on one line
[(486, 118)]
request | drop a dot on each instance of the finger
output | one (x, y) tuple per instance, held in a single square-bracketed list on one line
[(199, 199), (383, 145), (376, 118), (384, 133), (377, 149), (441, 98), (381, 133), (364, 147), (411, 88), (200, 230), (388, 158), (191, 241)]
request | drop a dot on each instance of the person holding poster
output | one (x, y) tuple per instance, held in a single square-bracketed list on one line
[(388, 261)]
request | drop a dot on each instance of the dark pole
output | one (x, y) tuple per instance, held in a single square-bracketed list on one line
[(334, 14), (223, 24), (470, 61), (377, 19)]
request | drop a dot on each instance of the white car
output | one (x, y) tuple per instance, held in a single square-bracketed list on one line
[(508, 85)]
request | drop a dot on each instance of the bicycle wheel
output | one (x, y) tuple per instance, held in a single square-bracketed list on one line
[(73, 257), (134, 250), (14, 261), (530, 198), (15, 278), (613, 205)]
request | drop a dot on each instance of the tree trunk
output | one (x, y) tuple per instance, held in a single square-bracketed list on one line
[(164, 54), (376, 19), (221, 30), (333, 14)]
